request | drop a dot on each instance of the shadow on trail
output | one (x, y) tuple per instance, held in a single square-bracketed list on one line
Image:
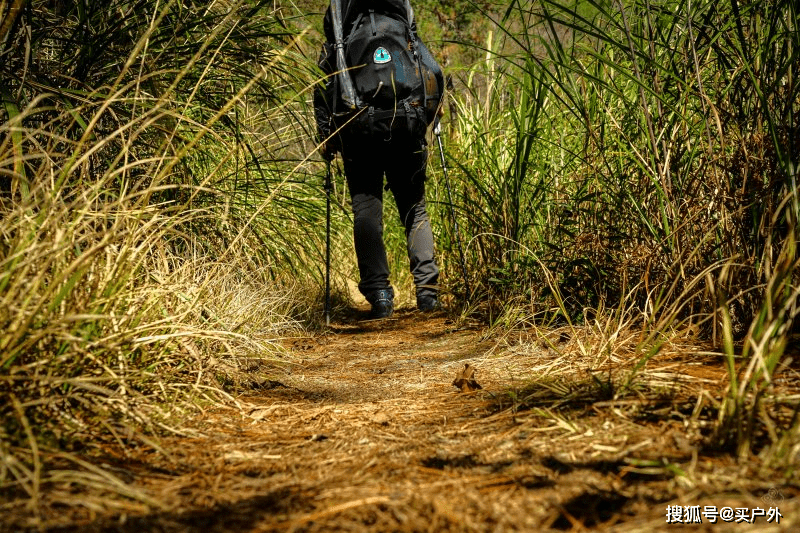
[(242, 515)]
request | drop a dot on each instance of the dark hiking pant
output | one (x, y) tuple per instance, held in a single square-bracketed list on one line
[(403, 162)]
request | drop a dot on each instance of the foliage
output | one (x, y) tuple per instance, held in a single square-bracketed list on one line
[(157, 192), (640, 155), (148, 189)]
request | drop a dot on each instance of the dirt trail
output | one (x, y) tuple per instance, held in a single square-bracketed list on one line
[(367, 433)]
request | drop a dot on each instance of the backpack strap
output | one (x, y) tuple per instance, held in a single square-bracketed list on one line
[(371, 117), (415, 48), (410, 14), (354, 27), (406, 111), (409, 124), (349, 95)]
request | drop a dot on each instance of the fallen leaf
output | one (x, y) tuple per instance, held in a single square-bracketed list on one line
[(465, 379)]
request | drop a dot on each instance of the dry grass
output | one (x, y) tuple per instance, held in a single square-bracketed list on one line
[(135, 286), (145, 380)]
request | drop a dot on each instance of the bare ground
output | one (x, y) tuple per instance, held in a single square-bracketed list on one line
[(365, 431)]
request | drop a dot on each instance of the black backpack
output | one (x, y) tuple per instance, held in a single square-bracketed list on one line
[(387, 80)]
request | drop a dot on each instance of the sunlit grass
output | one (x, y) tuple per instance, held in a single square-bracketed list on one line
[(624, 176), (637, 159), (148, 228)]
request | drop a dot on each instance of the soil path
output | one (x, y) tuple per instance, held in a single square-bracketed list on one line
[(365, 432)]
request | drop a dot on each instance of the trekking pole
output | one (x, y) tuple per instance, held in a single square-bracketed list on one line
[(437, 129), (328, 187)]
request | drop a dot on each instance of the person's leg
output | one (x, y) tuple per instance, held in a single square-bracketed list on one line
[(406, 178), (365, 183)]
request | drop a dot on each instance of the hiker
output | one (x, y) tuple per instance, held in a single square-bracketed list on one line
[(383, 88)]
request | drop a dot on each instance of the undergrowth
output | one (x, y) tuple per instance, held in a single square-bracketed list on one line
[(618, 166), (146, 168), (635, 159)]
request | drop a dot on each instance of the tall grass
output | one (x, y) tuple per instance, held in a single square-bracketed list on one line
[(151, 191), (157, 197), (640, 154)]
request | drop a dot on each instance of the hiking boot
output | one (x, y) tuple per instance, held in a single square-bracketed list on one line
[(382, 304), (428, 302)]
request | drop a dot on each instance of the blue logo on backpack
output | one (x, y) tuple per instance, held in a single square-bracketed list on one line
[(381, 55)]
